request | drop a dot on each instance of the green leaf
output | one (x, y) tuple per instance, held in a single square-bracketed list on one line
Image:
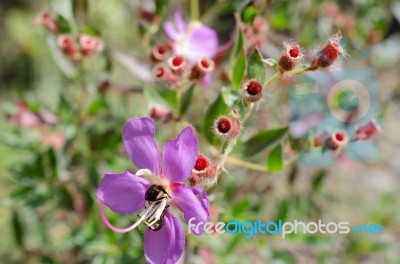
[(317, 180), (264, 140), (236, 49), (160, 6), (154, 99), (216, 109), (275, 160), (256, 69), (283, 209), (231, 97), (186, 99), (239, 70), (18, 229), (63, 24), (249, 14)]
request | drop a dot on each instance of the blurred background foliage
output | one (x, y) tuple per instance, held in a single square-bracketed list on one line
[(49, 173)]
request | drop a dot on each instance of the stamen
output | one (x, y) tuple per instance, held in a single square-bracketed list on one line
[(123, 230), (159, 212), (148, 174)]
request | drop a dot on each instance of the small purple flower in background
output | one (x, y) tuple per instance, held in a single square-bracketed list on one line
[(162, 186), (193, 41)]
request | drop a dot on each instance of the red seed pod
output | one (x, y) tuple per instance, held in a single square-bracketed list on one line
[(227, 127), (318, 141), (68, 46), (163, 115), (290, 57), (336, 141), (201, 68), (160, 53), (48, 21), (253, 90), (326, 56), (89, 44), (164, 74), (368, 130), (178, 64), (204, 172)]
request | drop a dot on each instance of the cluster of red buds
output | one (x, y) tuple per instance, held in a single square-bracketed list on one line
[(228, 127), (339, 139), (328, 54), (335, 141), (172, 69), (255, 33), (80, 46), (204, 173)]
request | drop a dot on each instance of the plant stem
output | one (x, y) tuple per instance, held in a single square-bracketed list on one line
[(273, 78), (194, 9)]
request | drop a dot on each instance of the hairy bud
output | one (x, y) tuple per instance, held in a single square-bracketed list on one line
[(326, 56), (201, 68), (227, 127), (204, 173), (290, 57), (368, 130)]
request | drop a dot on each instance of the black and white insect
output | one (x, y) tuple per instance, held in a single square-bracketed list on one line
[(157, 195)]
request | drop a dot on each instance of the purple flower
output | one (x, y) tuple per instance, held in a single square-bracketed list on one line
[(162, 186), (193, 41)]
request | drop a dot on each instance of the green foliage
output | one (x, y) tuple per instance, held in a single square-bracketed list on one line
[(264, 140)]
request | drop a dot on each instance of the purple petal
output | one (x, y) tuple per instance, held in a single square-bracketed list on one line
[(207, 80), (180, 23), (194, 203), (180, 155), (123, 192), (140, 146), (165, 245), (202, 42), (171, 31)]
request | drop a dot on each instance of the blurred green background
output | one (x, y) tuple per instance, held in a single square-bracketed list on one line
[(48, 210)]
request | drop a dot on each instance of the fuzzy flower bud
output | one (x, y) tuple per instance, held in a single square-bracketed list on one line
[(89, 44), (48, 21), (336, 141), (201, 68), (178, 64), (160, 53), (68, 46), (326, 56), (164, 74), (163, 115), (204, 172), (252, 90), (368, 130), (227, 127), (290, 57)]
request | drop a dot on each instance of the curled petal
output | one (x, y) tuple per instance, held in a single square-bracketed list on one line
[(140, 146), (165, 245), (180, 23), (180, 155), (123, 192), (171, 31), (194, 203)]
